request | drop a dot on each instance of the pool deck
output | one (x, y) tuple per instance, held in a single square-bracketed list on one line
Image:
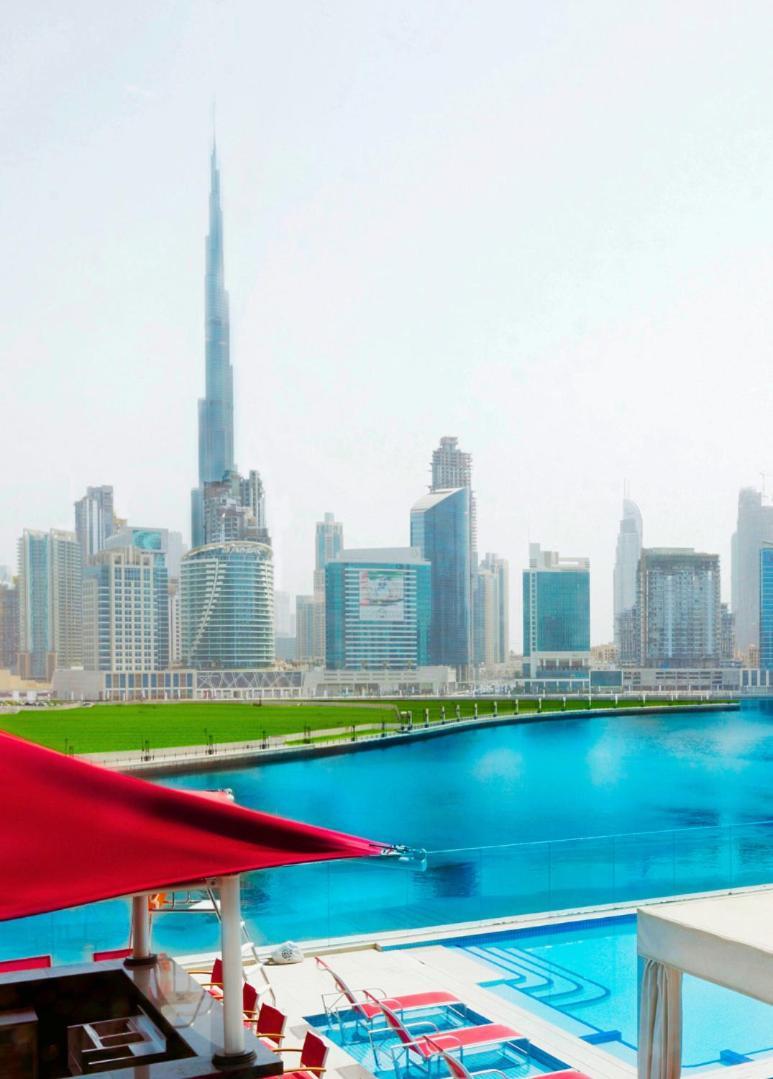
[(432, 966)]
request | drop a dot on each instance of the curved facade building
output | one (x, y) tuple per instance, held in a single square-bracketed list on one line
[(227, 600)]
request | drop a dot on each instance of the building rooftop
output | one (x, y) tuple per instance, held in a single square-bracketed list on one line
[(402, 555), (426, 502)]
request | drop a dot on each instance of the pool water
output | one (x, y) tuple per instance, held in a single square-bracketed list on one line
[(379, 1050), (516, 818), (582, 976)]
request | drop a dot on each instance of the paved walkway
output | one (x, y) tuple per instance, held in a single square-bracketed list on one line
[(299, 988)]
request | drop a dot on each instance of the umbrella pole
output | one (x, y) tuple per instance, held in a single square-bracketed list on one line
[(141, 954), (233, 976)]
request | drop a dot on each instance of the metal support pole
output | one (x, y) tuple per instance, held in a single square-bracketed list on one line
[(233, 978), (141, 954)]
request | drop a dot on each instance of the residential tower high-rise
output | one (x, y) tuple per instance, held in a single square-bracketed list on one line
[(452, 467), (227, 601), (234, 508), (328, 540), (440, 529), (94, 520), (126, 611), (306, 636), (678, 604), (9, 626), (629, 541), (328, 543), (491, 607), (50, 583), (753, 530)]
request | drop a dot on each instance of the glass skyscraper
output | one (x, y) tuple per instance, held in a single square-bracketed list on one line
[(556, 614), (94, 519), (328, 540), (50, 602), (766, 606), (225, 506), (754, 528), (629, 541), (377, 610), (440, 528), (216, 408), (227, 604)]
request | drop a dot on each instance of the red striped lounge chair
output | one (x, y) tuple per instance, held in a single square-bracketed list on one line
[(367, 1003), (29, 962), (426, 1048), (111, 953)]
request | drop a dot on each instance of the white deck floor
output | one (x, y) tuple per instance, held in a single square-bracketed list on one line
[(431, 966)]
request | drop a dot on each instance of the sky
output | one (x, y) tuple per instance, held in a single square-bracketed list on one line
[(543, 228)]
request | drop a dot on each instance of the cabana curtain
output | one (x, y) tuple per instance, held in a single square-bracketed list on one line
[(75, 833), (660, 1021)]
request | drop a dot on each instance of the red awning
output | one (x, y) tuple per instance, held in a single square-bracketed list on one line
[(74, 833)]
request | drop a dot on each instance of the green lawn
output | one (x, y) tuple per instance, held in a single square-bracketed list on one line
[(105, 728)]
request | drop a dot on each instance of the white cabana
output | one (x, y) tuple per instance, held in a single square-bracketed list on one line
[(728, 941)]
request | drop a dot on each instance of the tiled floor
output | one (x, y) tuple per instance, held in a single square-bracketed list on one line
[(299, 988)]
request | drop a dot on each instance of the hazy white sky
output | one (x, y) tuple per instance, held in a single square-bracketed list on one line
[(543, 227)]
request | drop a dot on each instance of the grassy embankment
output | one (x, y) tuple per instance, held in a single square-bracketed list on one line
[(106, 728)]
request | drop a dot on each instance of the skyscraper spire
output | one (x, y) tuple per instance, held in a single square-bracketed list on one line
[(216, 419), (216, 408)]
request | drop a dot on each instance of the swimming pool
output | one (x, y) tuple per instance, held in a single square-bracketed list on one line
[(379, 1050), (582, 976), (517, 818)]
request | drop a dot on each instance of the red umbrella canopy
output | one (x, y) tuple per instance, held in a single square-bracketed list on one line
[(75, 833)]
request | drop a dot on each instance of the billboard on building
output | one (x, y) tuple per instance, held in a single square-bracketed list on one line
[(147, 539), (382, 596)]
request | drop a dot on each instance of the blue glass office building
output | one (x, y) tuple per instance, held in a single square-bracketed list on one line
[(766, 607), (440, 528), (556, 613), (377, 610)]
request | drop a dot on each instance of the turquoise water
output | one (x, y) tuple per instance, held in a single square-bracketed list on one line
[(379, 1050), (515, 818), (583, 976)]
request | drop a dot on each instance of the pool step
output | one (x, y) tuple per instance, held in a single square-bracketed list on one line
[(541, 979)]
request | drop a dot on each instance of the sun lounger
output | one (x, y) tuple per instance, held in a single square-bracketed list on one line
[(367, 1002), (424, 1045), (112, 953), (29, 962), (313, 1058)]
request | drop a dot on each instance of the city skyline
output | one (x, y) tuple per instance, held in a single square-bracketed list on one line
[(548, 359)]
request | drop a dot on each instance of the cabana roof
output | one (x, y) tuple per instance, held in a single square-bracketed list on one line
[(727, 940), (76, 833)]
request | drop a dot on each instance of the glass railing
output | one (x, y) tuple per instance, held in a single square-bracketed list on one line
[(378, 895), (473, 884)]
